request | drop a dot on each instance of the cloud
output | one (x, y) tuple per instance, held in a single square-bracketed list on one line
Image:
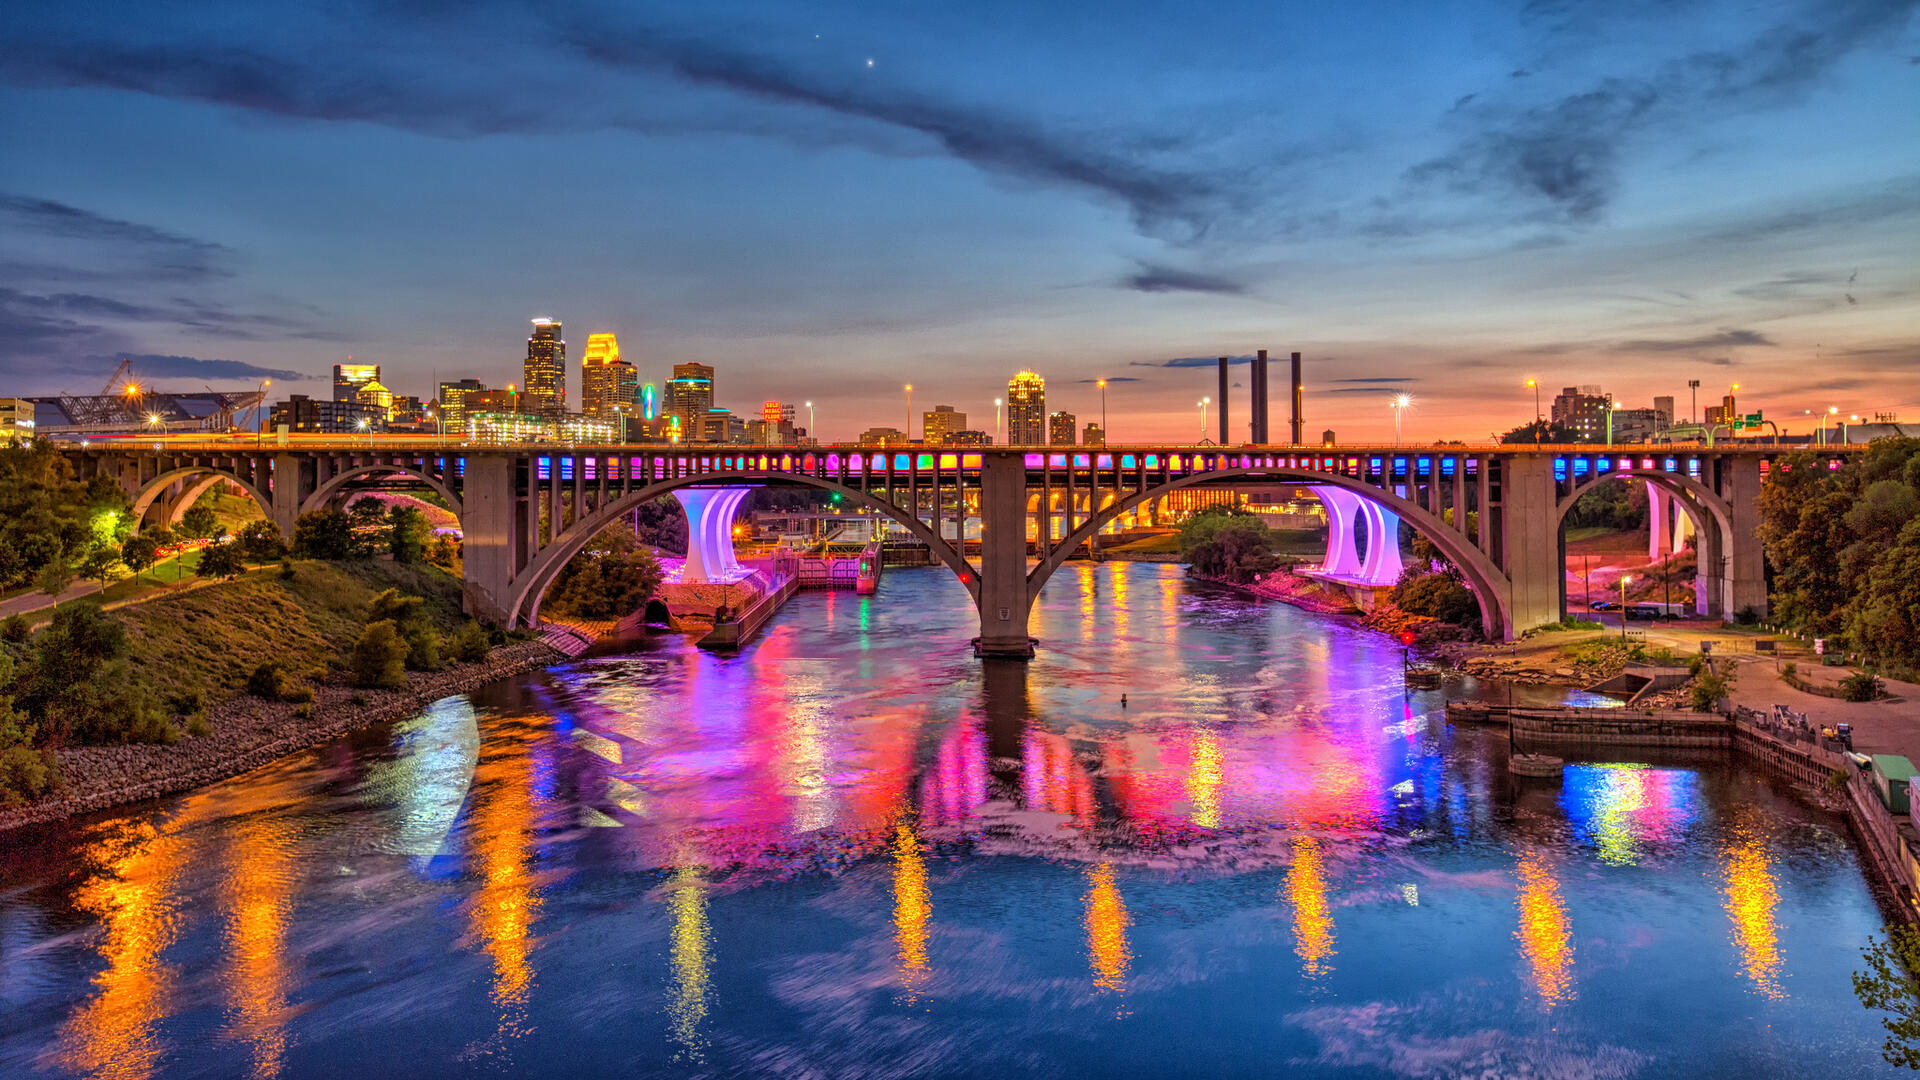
[(1192, 362), (1563, 156), (163, 252), (1390, 380), (1725, 339), (157, 366), (1154, 278), (1114, 379)]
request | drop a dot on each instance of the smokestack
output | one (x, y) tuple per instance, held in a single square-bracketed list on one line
[(1298, 420), (1224, 383), (1260, 397)]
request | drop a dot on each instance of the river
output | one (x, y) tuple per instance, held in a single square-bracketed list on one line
[(855, 851)]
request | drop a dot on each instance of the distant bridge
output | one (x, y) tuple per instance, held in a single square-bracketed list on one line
[(1494, 511)]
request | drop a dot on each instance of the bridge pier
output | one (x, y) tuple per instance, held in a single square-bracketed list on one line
[(1745, 559), (1532, 548), (1005, 599), (490, 551)]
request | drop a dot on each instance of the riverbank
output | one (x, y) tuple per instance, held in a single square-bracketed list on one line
[(249, 732)]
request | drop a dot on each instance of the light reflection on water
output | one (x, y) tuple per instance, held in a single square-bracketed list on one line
[(858, 851)]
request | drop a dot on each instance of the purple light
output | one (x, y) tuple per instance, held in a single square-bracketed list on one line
[(710, 533)]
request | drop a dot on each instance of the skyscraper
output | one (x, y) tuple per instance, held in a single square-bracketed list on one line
[(608, 384), (1061, 429), (453, 402), (690, 397), (546, 370), (348, 378), (1027, 410), (938, 427)]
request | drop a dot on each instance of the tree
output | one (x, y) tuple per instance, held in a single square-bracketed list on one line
[(98, 563), (409, 618), (380, 657), (1542, 431), (44, 512), (140, 551), (1227, 542), (220, 561), (323, 534), (367, 512), (260, 541), (54, 577), (408, 532), (612, 578), (470, 643), (199, 522), (78, 685), (1438, 596), (1889, 985)]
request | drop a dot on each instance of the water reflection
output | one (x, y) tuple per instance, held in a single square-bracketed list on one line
[(1107, 948), (912, 911), (1546, 936), (506, 903), (131, 868), (1751, 901), (261, 859), (692, 946), (1203, 780), (1628, 811), (1307, 896)]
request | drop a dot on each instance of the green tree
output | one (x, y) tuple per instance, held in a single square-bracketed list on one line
[(140, 551), (367, 512), (54, 577), (409, 618), (1889, 985), (323, 534), (27, 770), (220, 561), (380, 657), (78, 685), (44, 512), (199, 522), (260, 541), (1542, 431), (408, 532), (98, 563), (1438, 596), (1227, 542), (612, 578), (470, 643)]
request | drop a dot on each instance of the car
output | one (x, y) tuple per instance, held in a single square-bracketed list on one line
[(1602, 605)]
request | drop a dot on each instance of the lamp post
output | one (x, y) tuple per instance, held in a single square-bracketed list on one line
[(365, 427), (1611, 405), (1104, 436), (1203, 402), (909, 412), (1693, 398), (812, 429), (1624, 578), (1534, 384), (1400, 403)]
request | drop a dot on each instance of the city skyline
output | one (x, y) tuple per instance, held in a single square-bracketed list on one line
[(1507, 196)]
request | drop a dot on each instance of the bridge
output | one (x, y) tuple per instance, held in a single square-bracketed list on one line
[(1495, 511)]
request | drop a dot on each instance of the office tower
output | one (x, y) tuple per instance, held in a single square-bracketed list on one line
[(1582, 410), (607, 383), (373, 394), (302, 415), (938, 426), (1664, 406), (453, 402), (349, 378), (1092, 435), (689, 396), (1060, 428), (1026, 410), (546, 370)]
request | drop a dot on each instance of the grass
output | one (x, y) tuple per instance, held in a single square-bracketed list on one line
[(1595, 540), (213, 638)]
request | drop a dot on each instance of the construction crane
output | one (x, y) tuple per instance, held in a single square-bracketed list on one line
[(125, 370)]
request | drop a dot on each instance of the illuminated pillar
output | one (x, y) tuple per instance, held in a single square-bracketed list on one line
[(710, 533), (1343, 555), (1659, 524), (1383, 544)]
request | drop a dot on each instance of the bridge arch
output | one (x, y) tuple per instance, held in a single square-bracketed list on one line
[(523, 605), (201, 478), (1489, 584), (1711, 516), (325, 493)]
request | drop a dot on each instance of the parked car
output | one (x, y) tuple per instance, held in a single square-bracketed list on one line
[(1602, 605)]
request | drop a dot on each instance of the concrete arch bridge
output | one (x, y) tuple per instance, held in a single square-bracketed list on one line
[(1495, 511)]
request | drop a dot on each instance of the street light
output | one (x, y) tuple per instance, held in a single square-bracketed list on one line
[(1104, 436), (366, 427), (812, 429), (1611, 405), (909, 412), (1400, 403), (1624, 578), (1534, 384)]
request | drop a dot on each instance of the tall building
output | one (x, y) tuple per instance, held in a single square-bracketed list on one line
[(375, 395), (938, 427), (774, 427), (349, 378), (1582, 410), (16, 420), (970, 437), (689, 396), (609, 386), (1060, 429), (1093, 435), (883, 436), (1026, 410), (1664, 406), (453, 402), (546, 370), (301, 414)]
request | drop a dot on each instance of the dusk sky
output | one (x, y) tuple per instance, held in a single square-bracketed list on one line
[(827, 201)]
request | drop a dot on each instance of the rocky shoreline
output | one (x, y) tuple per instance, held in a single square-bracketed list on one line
[(249, 732)]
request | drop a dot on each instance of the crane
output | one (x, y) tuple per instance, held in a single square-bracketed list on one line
[(113, 381)]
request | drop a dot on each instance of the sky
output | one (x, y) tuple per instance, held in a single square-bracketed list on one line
[(828, 201)]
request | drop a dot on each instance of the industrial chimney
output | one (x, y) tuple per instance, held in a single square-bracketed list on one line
[(1224, 383), (1298, 420), (1260, 397)]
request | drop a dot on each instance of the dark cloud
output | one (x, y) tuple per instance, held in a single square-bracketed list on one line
[(1152, 277), (1192, 362), (157, 366), (1113, 379), (1724, 339), (1563, 156), (162, 252), (1897, 200), (1390, 380)]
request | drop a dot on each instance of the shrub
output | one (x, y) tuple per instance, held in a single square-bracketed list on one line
[(286, 570), (1696, 665), (220, 561), (380, 656), (469, 643), (260, 541), (408, 532), (199, 726), (15, 629), (1860, 686), (1707, 689), (423, 649), (1437, 596), (265, 682), (79, 686), (323, 534), (1790, 670), (26, 773), (305, 710)]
